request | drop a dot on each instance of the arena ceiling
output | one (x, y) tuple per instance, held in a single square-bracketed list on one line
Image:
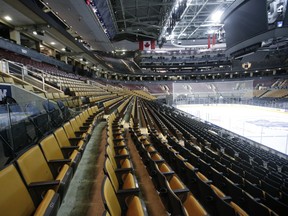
[(169, 19), (134, 20)]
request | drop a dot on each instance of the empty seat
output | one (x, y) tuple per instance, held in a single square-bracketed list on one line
[(83, 125), (115, 145), (118, 161), (54, 155), (117, 150), (16, 200), (225, 206), (72, 135), (18, 136), (192, 206), (133, 205), (53, 113), (83, 132), (38, 176), (39, 119), (68, 143), (254, 207), (124, 181), (64, 110)]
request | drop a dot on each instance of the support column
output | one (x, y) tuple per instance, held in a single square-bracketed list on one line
[(15, 35), (64, 59)]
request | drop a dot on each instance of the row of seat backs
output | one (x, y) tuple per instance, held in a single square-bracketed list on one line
[(120, 191), (175, 195), (173, 156), (208, 190), (15, 198), (158, 169), (248, 183), (17, 187), (20, 134), (266, 197)]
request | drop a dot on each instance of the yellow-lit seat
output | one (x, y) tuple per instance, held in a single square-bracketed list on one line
[(163, 167), (117, 150), (79, 130), (118, 161), (54, 155), (192, 206), (16, 200), (66, 143), (124, 179), (234, 206), (83, 125), (39, 177), (72, 135), (132, 204)]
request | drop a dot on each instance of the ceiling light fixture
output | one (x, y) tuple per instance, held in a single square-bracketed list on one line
[(216, 16), (52, 43), (8, 18)]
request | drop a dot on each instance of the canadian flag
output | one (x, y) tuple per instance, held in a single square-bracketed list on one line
[(146, 45)]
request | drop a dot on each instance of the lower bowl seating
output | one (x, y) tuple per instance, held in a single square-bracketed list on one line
[(15, 198)]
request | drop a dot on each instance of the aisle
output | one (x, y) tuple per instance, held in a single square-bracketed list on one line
[(84, 194), (80, 197), (152, 200)]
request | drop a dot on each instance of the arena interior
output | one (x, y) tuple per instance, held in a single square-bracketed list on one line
[(115, 107)]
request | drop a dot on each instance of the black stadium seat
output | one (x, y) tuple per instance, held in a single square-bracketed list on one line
[(54, 114), (39, 119)]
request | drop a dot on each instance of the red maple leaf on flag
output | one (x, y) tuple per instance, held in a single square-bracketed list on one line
[(147, 44)]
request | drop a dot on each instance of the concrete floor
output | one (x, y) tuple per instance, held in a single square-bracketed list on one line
[(79, 197)]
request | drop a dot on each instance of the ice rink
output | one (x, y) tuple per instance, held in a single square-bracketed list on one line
[(264, 125)]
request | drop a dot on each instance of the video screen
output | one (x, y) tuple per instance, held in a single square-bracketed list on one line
[(247, 20)]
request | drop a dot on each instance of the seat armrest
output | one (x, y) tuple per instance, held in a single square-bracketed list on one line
[(178, 192), (119, 147), (227, 198), (44, 184), (159, 161), (123, 170), (69, 148), (128, 192), (60, 161), (168, 173), (121, 139), (74, 141), (256, 199), (152, 152), (122, 195), (208, 181), (117, 133), (86, 124), (119, 157)]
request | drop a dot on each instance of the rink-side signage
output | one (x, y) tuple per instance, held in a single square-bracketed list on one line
[(5, 91)]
